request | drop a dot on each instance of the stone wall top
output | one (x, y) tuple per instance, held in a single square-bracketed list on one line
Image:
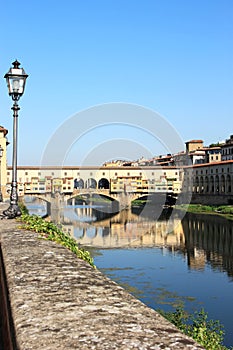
[(58, 301)]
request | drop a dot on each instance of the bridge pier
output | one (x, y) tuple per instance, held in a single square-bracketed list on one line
[(124, 201)]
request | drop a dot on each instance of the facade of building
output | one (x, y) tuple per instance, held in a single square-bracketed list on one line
[(227, 149), (193, 145), (210, 183), (3, 159), (213, 154)]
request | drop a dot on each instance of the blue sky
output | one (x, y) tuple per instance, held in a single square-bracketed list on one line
[(172, 56)]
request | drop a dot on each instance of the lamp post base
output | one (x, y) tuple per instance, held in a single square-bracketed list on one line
[(12, 212)]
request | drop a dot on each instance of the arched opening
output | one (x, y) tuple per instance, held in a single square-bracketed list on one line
[(201, 185), (222, 184), (228, 183), (103, 183), (206, 184), (91, 183), (216, 184), (78, 183), (197, 184), (212, 184)]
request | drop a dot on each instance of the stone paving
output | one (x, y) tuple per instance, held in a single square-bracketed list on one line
[(59, 301)]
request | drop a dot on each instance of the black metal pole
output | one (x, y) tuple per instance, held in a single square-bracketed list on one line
[(14, 210)]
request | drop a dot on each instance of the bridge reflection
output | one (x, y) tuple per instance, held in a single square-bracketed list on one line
[(203, 240)]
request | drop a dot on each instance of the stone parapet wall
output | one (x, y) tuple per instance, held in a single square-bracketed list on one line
[(58, 301)]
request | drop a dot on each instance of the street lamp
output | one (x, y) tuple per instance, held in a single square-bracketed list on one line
[(16, 80), (1, 154)]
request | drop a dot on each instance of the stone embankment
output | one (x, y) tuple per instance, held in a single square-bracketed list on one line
[(53, 300)]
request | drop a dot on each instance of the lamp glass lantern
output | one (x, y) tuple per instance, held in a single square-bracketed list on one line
[(16, 80)]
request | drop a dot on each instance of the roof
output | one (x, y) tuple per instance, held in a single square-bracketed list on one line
[(209, 164), (195, 141)]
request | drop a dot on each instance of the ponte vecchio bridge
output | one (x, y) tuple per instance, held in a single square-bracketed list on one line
[(60, 185)]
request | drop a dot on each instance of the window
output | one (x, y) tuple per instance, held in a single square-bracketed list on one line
[(128, 174), (115, 174), (39, 173), (103, 174), (65, 173), (26, 173), (216, 157)]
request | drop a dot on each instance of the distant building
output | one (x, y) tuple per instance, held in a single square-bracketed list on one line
[(3, 143), (193, 145), (213, 154), (227, 149)]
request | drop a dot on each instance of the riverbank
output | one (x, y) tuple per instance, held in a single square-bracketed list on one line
[(222, 210)]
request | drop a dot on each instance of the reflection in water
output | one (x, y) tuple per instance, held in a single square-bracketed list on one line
[(188, 261), (94, 228), (208, 240), (202, 239)]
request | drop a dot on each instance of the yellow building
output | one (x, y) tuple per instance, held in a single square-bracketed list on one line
[(3, 160)]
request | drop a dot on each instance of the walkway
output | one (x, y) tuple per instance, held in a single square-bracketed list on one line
[(59, 302)]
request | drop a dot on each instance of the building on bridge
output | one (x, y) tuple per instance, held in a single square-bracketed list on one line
[(32, 179)]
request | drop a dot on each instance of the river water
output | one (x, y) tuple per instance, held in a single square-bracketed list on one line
[(170, 261)]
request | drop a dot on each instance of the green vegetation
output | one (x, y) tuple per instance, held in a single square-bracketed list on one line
[(51, 232), (207, 333), (98, 199), (224, 210), (139, 202)]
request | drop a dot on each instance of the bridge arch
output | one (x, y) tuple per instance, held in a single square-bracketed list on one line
[(78, 183), (103, 183)]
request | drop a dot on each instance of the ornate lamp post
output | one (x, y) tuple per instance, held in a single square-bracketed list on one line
[(16, 79), (1, 154)]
